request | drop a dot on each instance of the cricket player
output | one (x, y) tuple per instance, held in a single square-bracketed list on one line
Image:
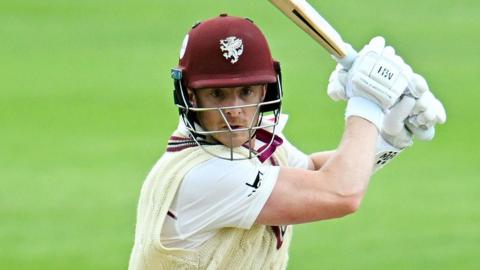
[(229, 187)]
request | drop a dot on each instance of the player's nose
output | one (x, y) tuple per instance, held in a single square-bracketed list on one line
[(233, 111), (233, 105)]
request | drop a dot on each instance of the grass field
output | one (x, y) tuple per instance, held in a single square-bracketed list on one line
[(86, 109)]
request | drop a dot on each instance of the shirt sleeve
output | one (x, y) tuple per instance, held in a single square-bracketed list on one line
[(221, 193), (296, 158)]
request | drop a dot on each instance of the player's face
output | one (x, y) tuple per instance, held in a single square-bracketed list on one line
[(237, 117)]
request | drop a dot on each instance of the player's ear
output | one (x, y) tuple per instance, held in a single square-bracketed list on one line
[(264, 91), (191, 97)]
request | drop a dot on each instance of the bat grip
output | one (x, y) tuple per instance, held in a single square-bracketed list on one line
[(349, 58)]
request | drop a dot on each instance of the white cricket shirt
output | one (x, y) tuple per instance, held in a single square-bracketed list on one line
[(222, 193)]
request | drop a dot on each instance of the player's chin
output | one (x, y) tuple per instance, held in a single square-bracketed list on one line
[(233, 139)]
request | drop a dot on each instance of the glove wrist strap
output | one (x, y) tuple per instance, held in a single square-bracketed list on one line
[(384, 152), (366, 109)]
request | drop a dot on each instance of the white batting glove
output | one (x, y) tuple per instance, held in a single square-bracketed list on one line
[(409, 118), (428, 112), (337, 82), (394, 136), (394, 128), (372, 56), (414, 115), (378, 74)]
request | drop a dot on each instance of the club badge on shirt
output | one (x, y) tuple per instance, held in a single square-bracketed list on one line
[(256, 183)]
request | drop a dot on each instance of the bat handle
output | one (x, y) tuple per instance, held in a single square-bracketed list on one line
[(349, 58)]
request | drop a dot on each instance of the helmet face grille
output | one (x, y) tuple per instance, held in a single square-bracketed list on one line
[(272, 106)]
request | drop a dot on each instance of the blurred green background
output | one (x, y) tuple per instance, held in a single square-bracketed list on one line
[(86, 109)]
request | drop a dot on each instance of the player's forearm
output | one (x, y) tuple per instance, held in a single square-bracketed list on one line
[(349, 168), (317, 160), (333, 191)]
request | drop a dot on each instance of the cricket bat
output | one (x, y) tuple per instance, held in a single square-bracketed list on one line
[(308, 19)]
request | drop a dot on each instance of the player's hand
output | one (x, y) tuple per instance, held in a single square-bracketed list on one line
[(428, 112), (337, 82), (376, 80), (394, 130), (394, 136), (378, 74), (409, 118), (413, 117)]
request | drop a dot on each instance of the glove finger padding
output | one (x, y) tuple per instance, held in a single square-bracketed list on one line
[(389, 51), (394, 120), (401, 140), (376, 44), (336, 84), (426, 118), (418, 86), (394, 137), (422, 133), (428, 112)]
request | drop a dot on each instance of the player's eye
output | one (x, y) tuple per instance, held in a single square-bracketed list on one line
[(247, 91), (216, 93)]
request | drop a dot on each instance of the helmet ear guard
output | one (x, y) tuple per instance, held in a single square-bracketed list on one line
[(180, 90), (180, 97), (274, 92)]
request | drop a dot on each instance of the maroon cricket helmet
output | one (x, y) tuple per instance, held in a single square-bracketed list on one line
[(226, 51)]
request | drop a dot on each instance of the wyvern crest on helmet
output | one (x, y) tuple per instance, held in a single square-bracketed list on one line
[(232, 48)]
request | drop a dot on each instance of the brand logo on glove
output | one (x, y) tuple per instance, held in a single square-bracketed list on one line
[(385, 72), (386, 157)]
